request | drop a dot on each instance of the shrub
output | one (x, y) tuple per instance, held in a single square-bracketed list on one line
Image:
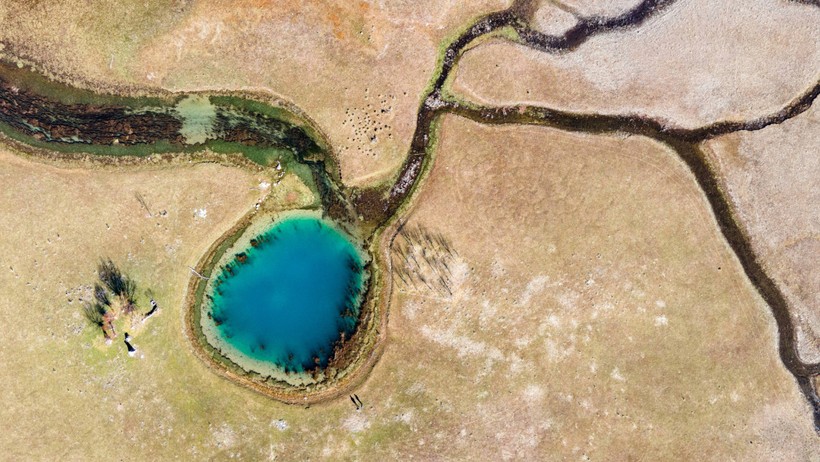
[(112, 277), (94, 313), (129, 294), (101, 295)]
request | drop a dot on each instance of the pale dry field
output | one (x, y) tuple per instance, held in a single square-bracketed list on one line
[(356, 68), (772, 177), (594, 7), (718, 62), (599, 311), (596, 314), (697, 62), (596, 311)]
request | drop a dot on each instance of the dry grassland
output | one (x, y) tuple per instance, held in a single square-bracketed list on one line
[(697, 62), (598, 310), (594, 311), (356, 68), (719, 62), (594, 7), (772, 178)]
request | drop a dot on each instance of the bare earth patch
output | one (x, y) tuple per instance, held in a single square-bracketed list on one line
[(697, 62), (602, 312), (772, 177)]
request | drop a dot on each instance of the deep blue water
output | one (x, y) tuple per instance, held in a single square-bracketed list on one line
[(288, 303)]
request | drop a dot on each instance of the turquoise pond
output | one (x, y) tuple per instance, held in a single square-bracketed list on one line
[(288, 297)]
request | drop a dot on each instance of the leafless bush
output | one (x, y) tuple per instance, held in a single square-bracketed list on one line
[(101, 295), (423, 259), (112, 277), (94, 313)]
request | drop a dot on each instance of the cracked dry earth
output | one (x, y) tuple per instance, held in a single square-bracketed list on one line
[(609, 250)]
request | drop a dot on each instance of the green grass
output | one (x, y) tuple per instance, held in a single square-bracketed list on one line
[(34, 82)]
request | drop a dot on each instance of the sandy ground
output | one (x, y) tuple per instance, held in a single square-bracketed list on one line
[(737, 63), (552, 19), (599, 311), (594, 7), (772, 178), (698, 62)]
